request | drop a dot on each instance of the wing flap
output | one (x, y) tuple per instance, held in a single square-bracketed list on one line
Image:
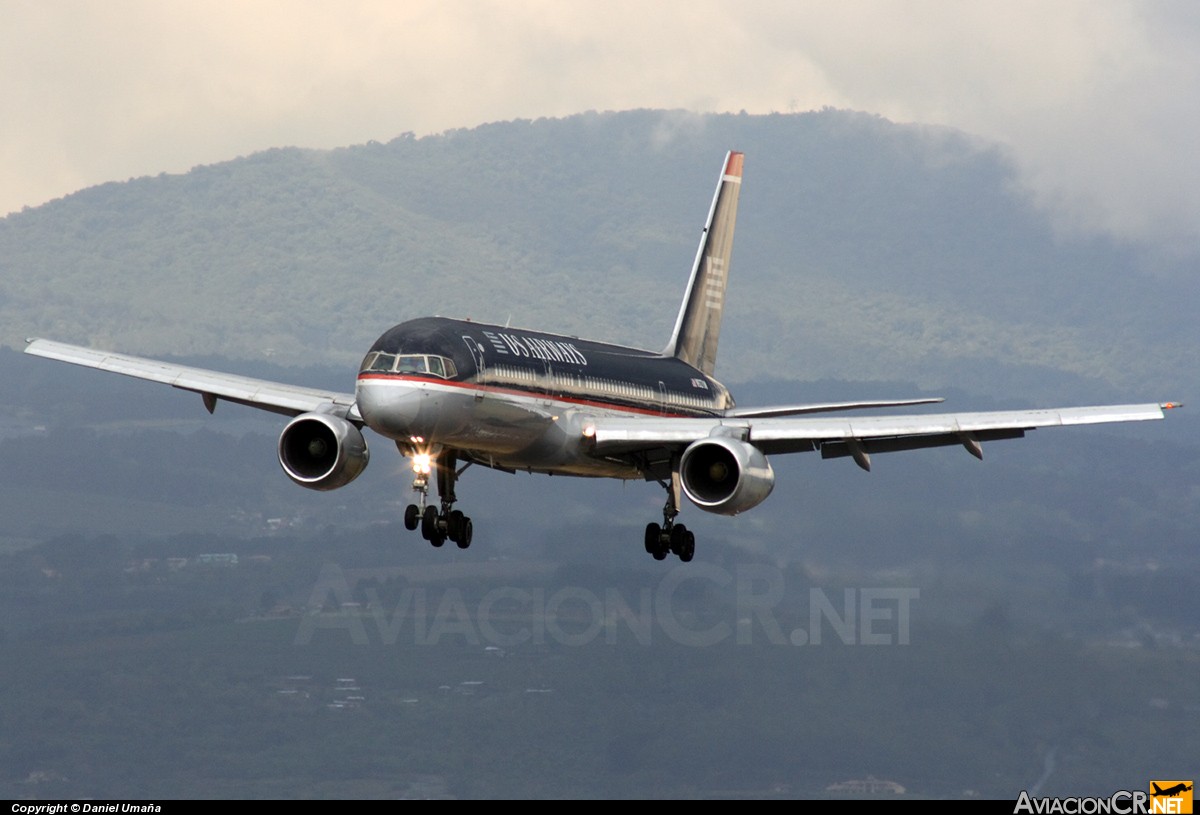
[(276, 397), (840, 449)]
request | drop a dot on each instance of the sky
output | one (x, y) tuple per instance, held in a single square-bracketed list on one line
[(1097, 101)]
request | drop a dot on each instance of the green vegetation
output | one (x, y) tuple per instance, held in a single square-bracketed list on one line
[(124, 676), (864, 248)]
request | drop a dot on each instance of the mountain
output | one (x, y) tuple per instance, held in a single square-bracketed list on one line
[(866, 250)]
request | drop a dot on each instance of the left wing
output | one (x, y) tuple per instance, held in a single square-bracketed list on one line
[(856, 436), (290, 400)]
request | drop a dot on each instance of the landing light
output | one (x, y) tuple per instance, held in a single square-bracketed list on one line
[(422, 464), (589, 431)]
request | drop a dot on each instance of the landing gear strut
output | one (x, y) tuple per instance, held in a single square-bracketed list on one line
[(449, 523), (670, 537)]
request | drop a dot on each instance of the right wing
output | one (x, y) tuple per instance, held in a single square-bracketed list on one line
[(276, 397), (856, 436)]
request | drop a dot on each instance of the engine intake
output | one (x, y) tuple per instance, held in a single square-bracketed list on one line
[(725, 475), (322, 452)]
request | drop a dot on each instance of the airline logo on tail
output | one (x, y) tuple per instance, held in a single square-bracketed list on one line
[(698, 327)]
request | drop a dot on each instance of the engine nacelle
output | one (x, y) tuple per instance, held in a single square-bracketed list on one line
[(322, 452), (725, 475)]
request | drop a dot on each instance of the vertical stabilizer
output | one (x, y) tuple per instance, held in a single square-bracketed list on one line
[(698, 326)]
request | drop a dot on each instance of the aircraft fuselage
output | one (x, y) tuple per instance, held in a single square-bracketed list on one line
[(519, 399)]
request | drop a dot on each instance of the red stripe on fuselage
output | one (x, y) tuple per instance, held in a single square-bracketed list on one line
[(472, 386)]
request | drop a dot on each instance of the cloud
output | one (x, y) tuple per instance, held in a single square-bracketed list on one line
[(1096, 100)]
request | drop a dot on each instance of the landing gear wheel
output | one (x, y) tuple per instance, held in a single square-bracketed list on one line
[(688, 550), (465, 531), (429, 526), (679, 534), (653, 531), (412, 517), (669, 537), (454, 525)]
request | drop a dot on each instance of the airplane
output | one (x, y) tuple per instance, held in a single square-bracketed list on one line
[(1170, 792), (454, 393)]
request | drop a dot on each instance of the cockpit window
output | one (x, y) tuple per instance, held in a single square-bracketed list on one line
[(379, 362), (382, 363), (412, 364)]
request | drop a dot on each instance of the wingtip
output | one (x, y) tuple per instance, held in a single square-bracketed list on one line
[(1171, 405)]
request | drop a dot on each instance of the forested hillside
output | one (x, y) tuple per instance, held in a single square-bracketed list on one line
[(865, 250)]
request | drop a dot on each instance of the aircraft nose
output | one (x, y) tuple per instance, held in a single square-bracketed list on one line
[(389, 409)]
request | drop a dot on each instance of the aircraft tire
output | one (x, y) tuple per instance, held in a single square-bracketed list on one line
[(454, 525), (679, 534), (688, 550), (429, 525), (465, 531), (412, 517), (653, 531)]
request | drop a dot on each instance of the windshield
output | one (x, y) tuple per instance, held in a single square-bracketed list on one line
[(380, 362)]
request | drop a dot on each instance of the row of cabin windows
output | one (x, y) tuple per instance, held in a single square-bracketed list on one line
[(590, 384), (381, 362)]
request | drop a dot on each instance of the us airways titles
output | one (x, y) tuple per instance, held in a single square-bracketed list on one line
[(525, 346)]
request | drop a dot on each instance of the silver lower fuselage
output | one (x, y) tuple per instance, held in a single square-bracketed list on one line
[(499, 429)]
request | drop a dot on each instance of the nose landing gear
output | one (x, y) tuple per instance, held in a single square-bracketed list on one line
[(447, 524)]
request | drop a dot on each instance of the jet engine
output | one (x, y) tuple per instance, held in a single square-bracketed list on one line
[(725, 475), (322, 452)]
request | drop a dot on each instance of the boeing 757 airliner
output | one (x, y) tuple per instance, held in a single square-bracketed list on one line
[(452, 393)]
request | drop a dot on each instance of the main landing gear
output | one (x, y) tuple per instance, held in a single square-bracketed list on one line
[(449, 523), (669, 537)]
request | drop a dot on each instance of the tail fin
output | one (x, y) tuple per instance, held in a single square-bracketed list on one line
[(698, 326)]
